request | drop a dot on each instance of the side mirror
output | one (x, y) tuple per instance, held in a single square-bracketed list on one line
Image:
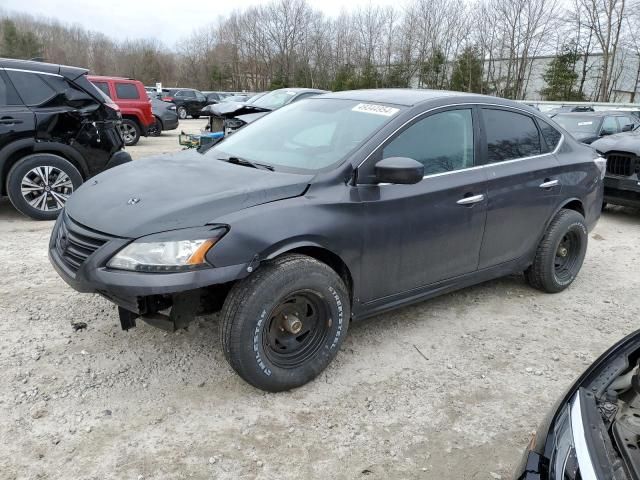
[(400, 170), (627, 128)]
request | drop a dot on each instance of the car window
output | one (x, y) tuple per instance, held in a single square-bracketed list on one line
[(200, 97), (626, 121), (609, 125), (510, 135), (188, 94), (442, 142), (33, 90), (126, 91), (8, 94), (551, 135), (104, 87)]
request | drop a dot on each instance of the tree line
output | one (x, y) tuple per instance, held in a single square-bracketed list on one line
[(483, 46)]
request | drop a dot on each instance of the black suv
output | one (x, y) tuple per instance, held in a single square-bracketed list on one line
[(330, 210), (56, 130), (187, 100)]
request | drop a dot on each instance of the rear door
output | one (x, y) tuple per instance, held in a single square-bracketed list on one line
[(16, 119), (524, 184)]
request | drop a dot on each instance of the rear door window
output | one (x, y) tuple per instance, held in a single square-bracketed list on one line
[(8, 94), (31, 87), (510, 135), (609, 126), (126, 91)]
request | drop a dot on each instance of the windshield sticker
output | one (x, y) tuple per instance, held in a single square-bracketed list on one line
[(375, 109), (582, 124)]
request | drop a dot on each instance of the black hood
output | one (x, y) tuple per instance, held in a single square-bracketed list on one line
[(231, 109), (183, 190), (621, 142)]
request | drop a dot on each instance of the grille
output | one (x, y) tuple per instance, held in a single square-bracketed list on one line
[(620, 164), (75, 243)]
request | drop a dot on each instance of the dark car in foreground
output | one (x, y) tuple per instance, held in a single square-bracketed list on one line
[(227, 117), (56, 130), (593, 432), (587, 127), (622, 183), (331, 210)]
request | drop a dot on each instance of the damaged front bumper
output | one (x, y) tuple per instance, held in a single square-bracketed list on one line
[(167, 300)]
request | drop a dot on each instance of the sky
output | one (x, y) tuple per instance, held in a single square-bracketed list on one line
[(166, 20)]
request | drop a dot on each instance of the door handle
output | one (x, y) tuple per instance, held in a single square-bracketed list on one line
[(470, 200), (549, 184), (9, 121)]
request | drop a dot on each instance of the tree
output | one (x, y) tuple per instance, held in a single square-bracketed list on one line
[(561, 77), (18, 44), (467, 71)]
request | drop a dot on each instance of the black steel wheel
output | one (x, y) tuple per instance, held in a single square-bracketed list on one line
[(284, 324), (561, 252)]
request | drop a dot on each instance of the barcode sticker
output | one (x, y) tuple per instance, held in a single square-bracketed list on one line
[(582, 124), (375, 109)]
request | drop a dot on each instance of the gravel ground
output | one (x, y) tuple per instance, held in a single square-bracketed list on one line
[(449, 389)]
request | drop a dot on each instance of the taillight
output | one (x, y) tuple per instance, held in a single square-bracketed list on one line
[(601, 163), (167, 99)]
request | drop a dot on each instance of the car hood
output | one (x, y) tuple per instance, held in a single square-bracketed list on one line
[(626, 142), (183, 190), (584, 137), (231, 109)]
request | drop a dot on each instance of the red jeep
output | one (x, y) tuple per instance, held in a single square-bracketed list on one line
[(134, 104)]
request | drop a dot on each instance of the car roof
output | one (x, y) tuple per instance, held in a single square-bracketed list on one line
[(300, 90), (598, 113), (410, 97), (33, 66)]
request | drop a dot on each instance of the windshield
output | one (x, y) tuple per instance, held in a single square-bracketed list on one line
[(274, 100), (578, 123), (307, 135)]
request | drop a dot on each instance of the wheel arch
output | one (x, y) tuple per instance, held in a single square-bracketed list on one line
[(13, 152), (322, 254)]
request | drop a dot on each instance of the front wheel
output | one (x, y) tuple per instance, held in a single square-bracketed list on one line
[(284, 324), (39, 185), (560, 254), (156, 129)]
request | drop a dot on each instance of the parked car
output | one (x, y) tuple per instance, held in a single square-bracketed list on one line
[(227, 117), (56, 131), (569, 108), (256, 97), (134, 104), (237, 98), (165, 114), (332, 210), (214, 97), (589, 126), (187, 100), (622, 183), (593, 431)]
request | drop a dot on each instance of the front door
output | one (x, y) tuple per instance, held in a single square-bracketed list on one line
[(417, 235)]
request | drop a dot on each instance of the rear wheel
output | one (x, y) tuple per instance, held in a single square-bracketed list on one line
[(130, 132), (283, 325), (560, 254), (182, 113), (39, 185)]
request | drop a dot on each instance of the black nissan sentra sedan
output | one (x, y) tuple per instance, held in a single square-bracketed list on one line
[(331, 210), (594, 430)]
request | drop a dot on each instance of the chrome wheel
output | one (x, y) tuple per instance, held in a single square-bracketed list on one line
[(46, 188), (182, 113), (128, 133)]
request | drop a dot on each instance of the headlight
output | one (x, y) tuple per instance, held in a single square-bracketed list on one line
[(165, 256)]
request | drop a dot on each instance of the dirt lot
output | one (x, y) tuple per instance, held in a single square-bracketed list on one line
[(103, 403)]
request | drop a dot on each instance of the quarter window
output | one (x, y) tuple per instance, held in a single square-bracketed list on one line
[(127, 91), (104, 87), (33, 90), (510, 135), (442, 142), (551, 135)]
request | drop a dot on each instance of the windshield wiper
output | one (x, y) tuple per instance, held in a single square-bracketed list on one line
[(247, 163)]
